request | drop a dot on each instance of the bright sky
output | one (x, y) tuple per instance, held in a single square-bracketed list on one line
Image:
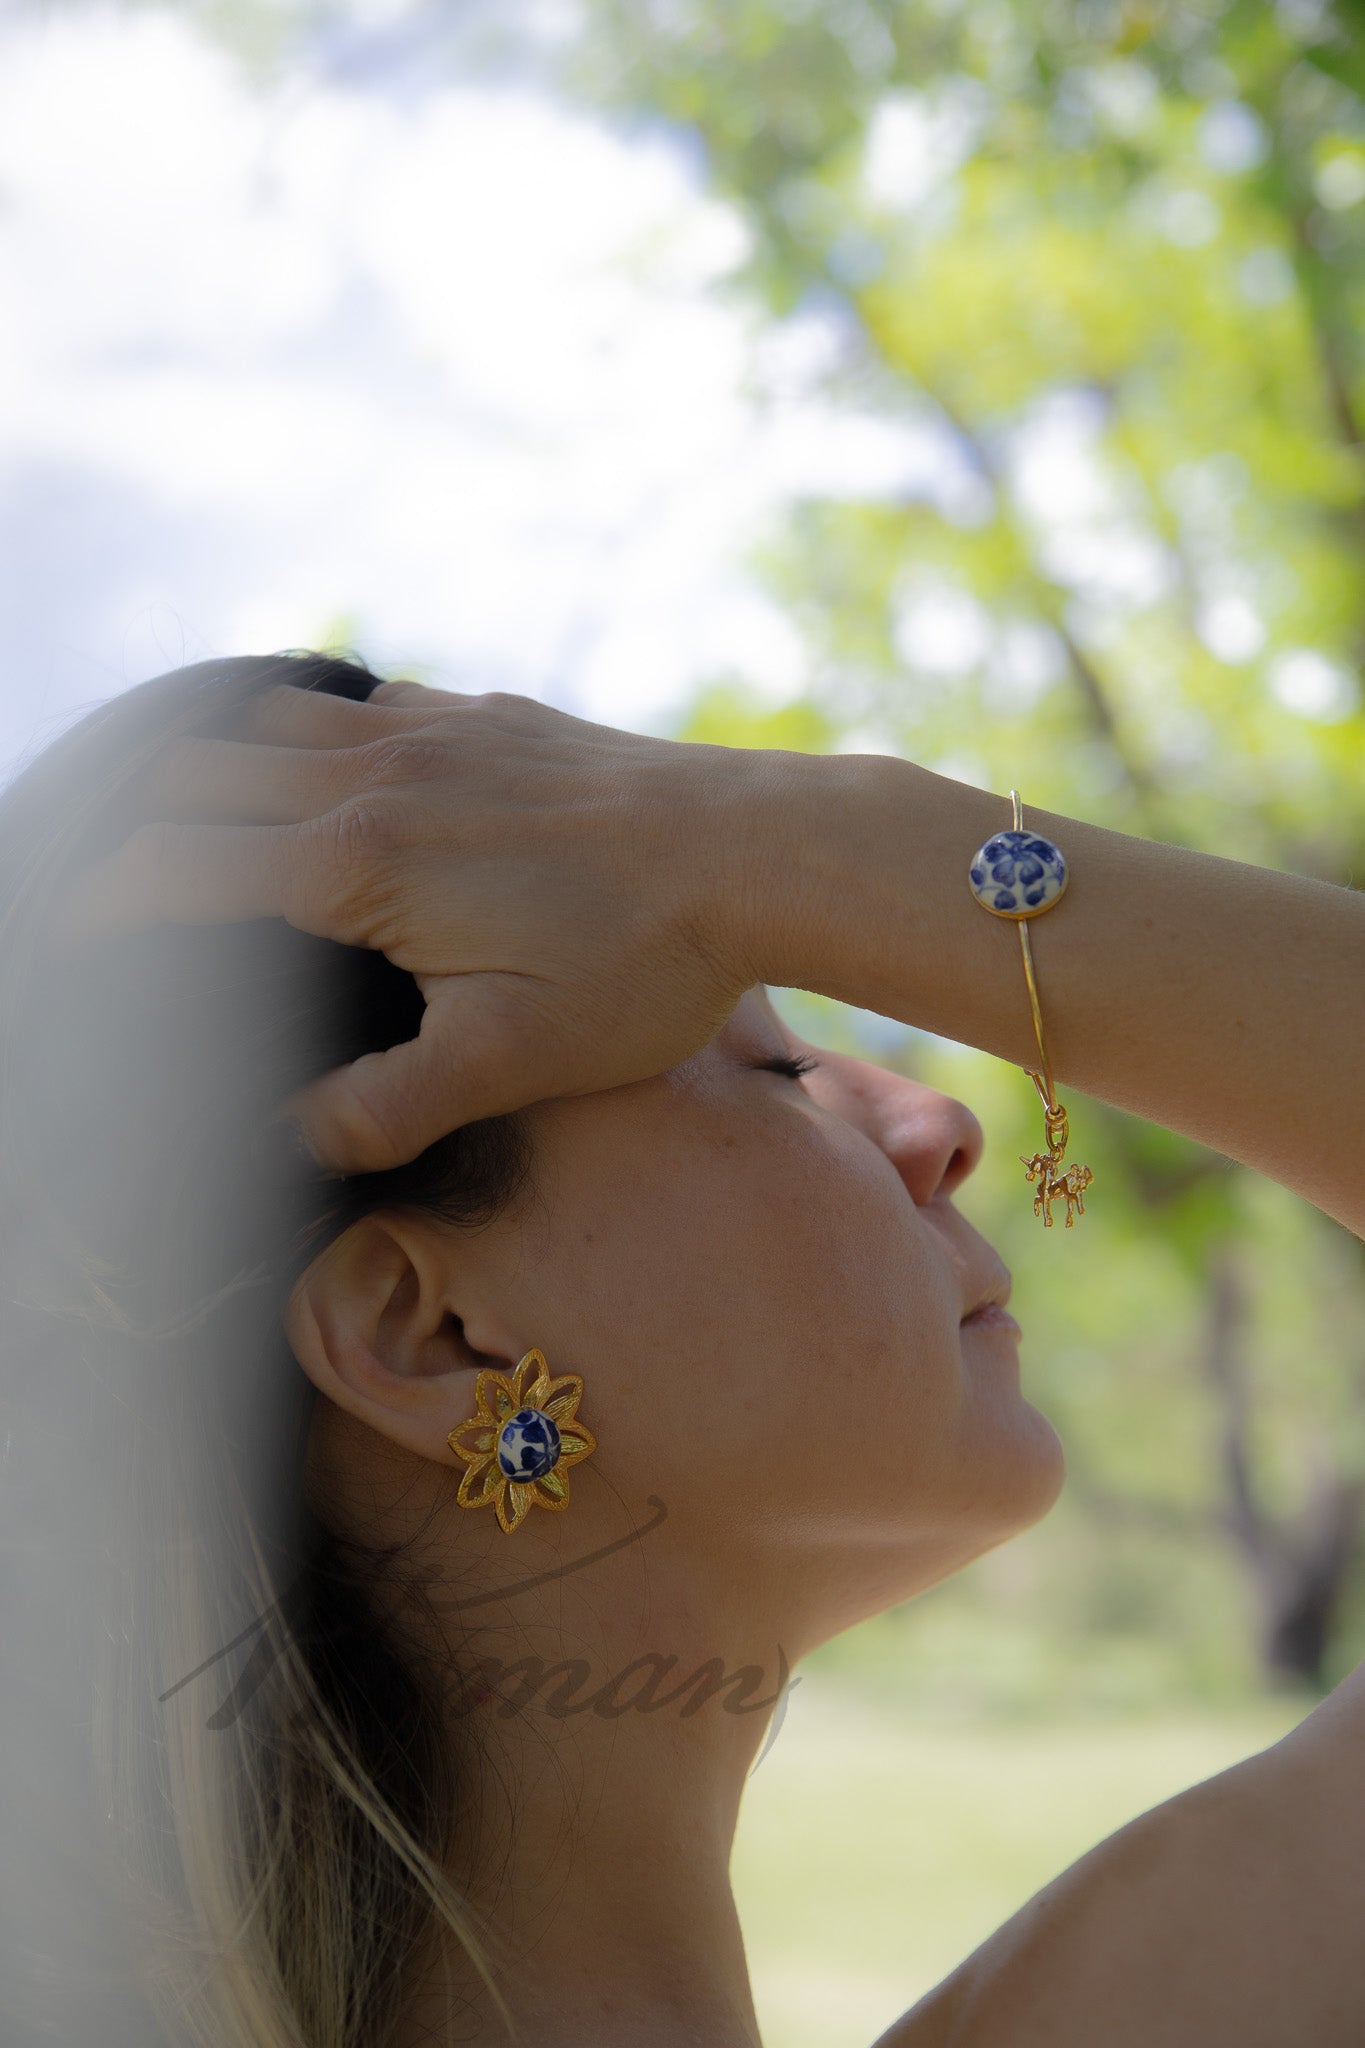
[(446, 368), (443, 370)]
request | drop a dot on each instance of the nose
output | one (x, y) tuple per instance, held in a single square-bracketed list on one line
[(933, 1140)]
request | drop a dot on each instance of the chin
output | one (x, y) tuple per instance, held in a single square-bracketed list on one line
[(1010, 1476), (1010, 1487), (1034, 1476)]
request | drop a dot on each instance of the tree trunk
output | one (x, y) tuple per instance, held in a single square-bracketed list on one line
[(1297, 1573)]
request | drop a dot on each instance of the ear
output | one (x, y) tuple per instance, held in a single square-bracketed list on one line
[(373, 1325)]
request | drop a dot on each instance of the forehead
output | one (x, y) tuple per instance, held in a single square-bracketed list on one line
[(754, 1008)]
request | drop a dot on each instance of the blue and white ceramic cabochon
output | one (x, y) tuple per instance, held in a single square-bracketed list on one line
[(1017, 873), (528, 1444)]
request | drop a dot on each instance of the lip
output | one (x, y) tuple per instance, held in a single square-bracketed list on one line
[(991, 1314), (992, 1292)]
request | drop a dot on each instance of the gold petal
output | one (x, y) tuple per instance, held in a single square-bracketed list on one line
[(551, 1490), (531, 1370), (578, 1442), (497, 1395), (562, 1397), (472, 1440), (513, 1504), (481, 1483)]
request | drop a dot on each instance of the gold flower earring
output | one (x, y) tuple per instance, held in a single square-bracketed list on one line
[(518, 1443)]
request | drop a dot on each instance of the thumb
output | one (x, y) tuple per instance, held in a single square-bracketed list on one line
[(472, 1058)]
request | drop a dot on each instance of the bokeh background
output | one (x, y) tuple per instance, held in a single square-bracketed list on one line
[(978, 380)]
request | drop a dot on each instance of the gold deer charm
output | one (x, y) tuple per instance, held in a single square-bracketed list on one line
[(1070, 1186)]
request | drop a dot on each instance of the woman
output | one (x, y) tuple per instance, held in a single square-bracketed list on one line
[(407, 1729)]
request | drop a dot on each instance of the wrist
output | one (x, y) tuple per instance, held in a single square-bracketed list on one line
[(789, 863)]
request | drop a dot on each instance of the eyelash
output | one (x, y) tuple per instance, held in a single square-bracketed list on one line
[(791, 1064)]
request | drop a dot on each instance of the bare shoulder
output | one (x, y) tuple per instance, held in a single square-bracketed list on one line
[(1229, 1913)]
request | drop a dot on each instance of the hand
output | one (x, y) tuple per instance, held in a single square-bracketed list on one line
[(553, 886)]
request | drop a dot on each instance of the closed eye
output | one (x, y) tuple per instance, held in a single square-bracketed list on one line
[(792, 1064)]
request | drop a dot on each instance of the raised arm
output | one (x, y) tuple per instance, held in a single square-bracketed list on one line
[(583, 907), (1224, 1001)]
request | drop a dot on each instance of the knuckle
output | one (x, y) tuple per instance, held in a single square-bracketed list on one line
[(418, 757), (362, 831), (403, 757)]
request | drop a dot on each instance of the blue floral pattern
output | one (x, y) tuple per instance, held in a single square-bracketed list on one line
[(528, 1444), (1017, 873)]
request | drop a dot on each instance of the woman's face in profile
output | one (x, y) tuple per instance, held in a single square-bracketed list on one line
[(761, 1281)]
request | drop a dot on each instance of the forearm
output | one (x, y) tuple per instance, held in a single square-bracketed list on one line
[(1218, 999)]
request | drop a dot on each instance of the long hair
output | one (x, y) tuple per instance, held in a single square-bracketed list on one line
[(228, 1792)]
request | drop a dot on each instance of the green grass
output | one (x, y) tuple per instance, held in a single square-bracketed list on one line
[(876, 1850)]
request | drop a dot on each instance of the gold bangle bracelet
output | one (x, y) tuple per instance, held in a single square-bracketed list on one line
[(1017, 875)]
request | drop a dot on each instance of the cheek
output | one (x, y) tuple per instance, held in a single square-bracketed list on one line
[(774, 1321)]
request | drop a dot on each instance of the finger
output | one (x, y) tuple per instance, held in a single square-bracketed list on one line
[(472, 1059), (234, 780), (417, 696), (189, 874), (287, 717)]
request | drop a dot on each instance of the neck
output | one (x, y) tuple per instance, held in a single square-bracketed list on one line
[(598, 1866)]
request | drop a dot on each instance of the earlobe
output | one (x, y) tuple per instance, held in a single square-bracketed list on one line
[(372, 1324)]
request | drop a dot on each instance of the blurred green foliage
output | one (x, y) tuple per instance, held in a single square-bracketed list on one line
[(875, 1850), (1105, 260)]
